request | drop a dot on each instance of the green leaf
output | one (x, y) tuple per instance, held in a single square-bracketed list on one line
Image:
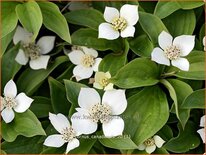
[(164, 9), (195, 100), (23, 145), (197, 67), (30, 16), (182, 90), (30, 79), (141, 46), (114, 61), (190, 5), (5, 41), (146, 20), (147, 112), (120, 143), (41, 106), (8, 17), (9, 65), (186, 140), (181, 22), (54, 20), (88, 37), (59, 100), (173, 95), (25, 124), (137, 73), (86, 17)]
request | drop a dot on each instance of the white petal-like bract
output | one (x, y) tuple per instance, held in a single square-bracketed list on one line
[(54, 141), (10, 89), (23, 35), (165, 40), (23, 103), (7, 115), (110, 13), (114, 127), (40, 63), (159, 56), (46, 44), (107, 32), (116, 99), (88, 97), (59, 122), (21, 58), (130, 13), (181, 63)]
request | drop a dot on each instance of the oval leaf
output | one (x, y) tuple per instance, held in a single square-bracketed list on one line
[(9, 65), (86, 17), (139, 72), (181, 22), (54, 20), (147, 113), (59, 100), (164, 9), (25, 124), (8, 17), (195, 100)]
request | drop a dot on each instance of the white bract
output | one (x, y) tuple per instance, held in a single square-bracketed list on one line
[(92, 110), (150, 144), (101, 81), (67, 134), (86, 61), (173, 50), (203, 41), (31, 51), (202, 131), (119, 23), (11, 101)]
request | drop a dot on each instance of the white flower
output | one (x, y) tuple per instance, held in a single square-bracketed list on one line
[(101, 81), (92, 110), (11, 101), (35, 52), (203, 41), (150, 144), (119, 23), (86, 61), (67, 133), (202, 131), (173, 50)]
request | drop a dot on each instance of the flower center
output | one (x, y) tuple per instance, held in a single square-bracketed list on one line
[(88, 60), (119, 24), (32, 50), (100, 112), (104, 82), (9, 102), (68, 134), (172, 52), (149, 142)]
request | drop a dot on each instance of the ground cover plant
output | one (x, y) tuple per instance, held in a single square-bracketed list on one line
[(102, 77)]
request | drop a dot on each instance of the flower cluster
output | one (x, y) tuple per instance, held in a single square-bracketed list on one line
[(101, 109)]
